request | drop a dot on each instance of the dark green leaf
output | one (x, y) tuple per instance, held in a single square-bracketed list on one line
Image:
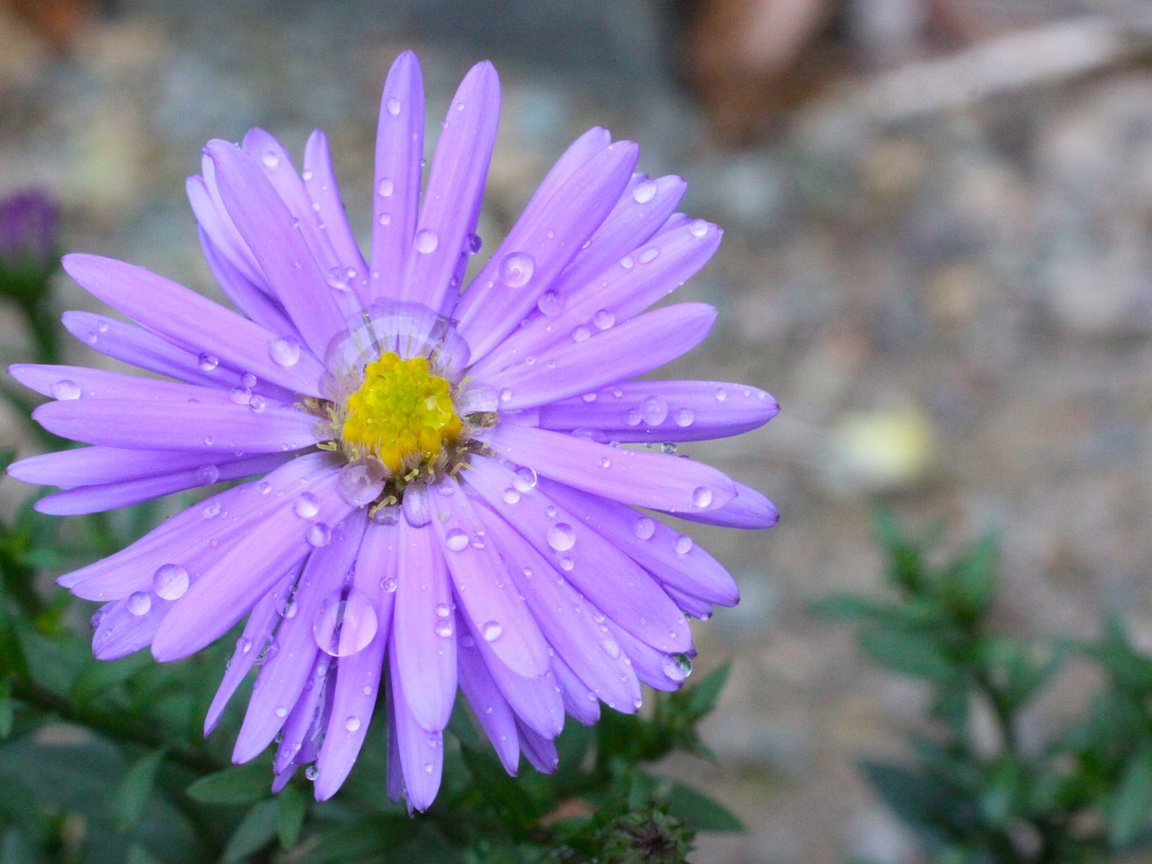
[(1129, 809), (97, 678), (699, 811), (240, 785), (917, 799), (255, 830), (919, 654), (135, 789), (702, 697), (7, 710)]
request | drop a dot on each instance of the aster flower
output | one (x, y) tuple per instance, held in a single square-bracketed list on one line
[(441, 494)]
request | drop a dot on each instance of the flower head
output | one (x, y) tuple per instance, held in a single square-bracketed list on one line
[(28, 223), (444, 476)]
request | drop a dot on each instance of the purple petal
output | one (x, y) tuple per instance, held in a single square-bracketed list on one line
[(421, 751), (578, 153), (455, 187), (425, 628), (283, 677), (88, 466), (219, 597), (94, 499), (749, 509), (673, 558), (214, 223), (637, 346), (200, 427), (190, 321), (613, 296), (302, 732), (488, 704), (68, 383), (536, 250), (565, 618), (579, 699), (483, 588), (252, 644), (399, 150), (541, 751), (245, 295), (358, 675), (656, 411), (631, 597), (274, 236), (650, 663), (658, 481), (126, 626), (324, 193)]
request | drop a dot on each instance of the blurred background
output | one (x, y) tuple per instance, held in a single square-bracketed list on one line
[(937, 258)]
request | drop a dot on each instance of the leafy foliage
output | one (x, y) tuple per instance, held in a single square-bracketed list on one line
[(1082, 795)]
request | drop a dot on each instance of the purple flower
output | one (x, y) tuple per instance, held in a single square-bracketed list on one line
[(28, 224), (445, 477)]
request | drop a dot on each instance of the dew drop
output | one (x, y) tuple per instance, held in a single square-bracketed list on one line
[(605, 462), (506, 395), (511, 495), (210, 510), (384, 219), (427, 767), (566, 563), (319, 535), (645, 192), (139, 602), (351, 724), (677, 667), (684, 417), (644, 528), (683, 545), (698, 227), (389, 583), (337, 279), (632, 417), (306, 506), (386, 187), (443, 629), (270, 159), (525, 479), (721, 394), (491, 631), (549, 304), (649, 255), (392, 106), (581, 334), (360, 483), (425, 241), (627, 263), (456, 540), (207, 362), (243, 645), (281, 711), (240, 395), (206, 475), (561, 537), (655, 410), (170, 582), (474, 243), (603, 319), (311, 772), (65, 389), (701, 496), (516, 269), (345, 623), (285, 351), (265, 487), (610, 647)]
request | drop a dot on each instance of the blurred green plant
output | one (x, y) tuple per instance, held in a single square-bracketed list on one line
[(1083, 794)]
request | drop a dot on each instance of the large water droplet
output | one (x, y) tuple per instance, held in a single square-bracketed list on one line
[(644, 528), (207, 362), (561, 537), (311, 772), (603, 319), (337, 279), (139, 602), (581, 334), (270, 158), (351, 724), (319, 535), (645, 192), (170, 582), (392, 106), (610, 647), (491, 631), (206, 475), (655, 410), (677, 667), (386, 187), (701, 496), (285, 351), (425, 241), (456, 540), (345, 623), (65, 389), (306, 506), (649, 255), (516, 269), (443, 628), (698, 227), (683, 545), (525, 479), (685, 417), (361, 482)]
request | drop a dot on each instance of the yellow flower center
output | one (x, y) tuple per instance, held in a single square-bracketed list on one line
[(402, 414)]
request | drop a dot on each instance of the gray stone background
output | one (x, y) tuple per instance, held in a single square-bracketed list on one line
[(945, 280)]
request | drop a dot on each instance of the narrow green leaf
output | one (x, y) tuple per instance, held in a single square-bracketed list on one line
[(1129, 809), (255, 830), (243, 784), (7, 709), (134, 790), (702, 697), (699, 811), (846, 607), (918, 654), (291, 807), (97, 678)]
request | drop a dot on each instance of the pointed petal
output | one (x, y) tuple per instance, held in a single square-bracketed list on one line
[(324, 193), (396, 198), (749, 509), (488, 704), (245, 294), (421, 751)]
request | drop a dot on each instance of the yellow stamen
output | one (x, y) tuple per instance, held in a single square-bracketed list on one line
[(402, 413)]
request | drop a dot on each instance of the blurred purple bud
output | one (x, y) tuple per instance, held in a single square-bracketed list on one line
[(28, 223)]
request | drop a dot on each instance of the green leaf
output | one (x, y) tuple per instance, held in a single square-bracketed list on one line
[(134, 790), (702, 697), (97, 678), (240, 785), (255, 830), (971, 580), (699, 811), (369, 838), (1129, 808), (914, 653), (846, 607), (290, 811), (137, 854), (7, 709), (919, 800)]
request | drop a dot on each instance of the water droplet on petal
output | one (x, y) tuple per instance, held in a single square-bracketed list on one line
[(337, 279), (684, 417), (721, 394), (389, 583), (645, 192), (211, 510), (701, 496), (207, 362), (603, 319), (561, 537), (443, 629), (549, 304), (516, 269), (345, 624), (281, 711), (361, 482), (677, 667), (611, 647), (265, 487), (644, 528), (525, 479), (475, 243), (285, 351), (649, 255), (581, 334), (351, 724), (206, 475), (683, 545), (632, 417), (511, 496), (311, 772), (698, 227), (425, 241), (427, 767), (655, 410), (491, 631), (306, 506), (392, 106), (170, 582), (139, 602), (386, 187), (456, 540), (270, 158), (384, 219), (319, 535), (240, 395), (65, 389)]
